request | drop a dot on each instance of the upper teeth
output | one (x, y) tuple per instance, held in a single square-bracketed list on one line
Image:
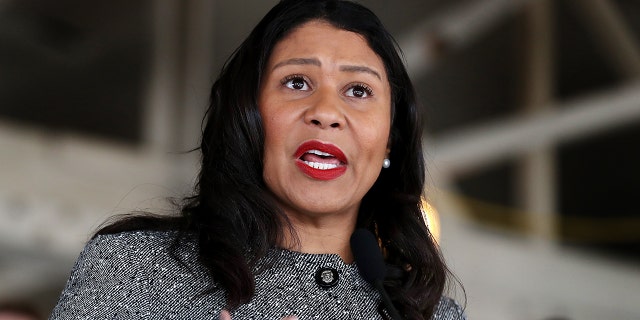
[(320, 153)]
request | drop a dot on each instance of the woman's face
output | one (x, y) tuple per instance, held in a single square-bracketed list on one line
[(325, 103)]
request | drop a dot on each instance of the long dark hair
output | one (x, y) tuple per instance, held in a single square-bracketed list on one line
[(234, 217)]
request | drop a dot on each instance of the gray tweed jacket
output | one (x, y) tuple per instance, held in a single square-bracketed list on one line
[(132, 276)]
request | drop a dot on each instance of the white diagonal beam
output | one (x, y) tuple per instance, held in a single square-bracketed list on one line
[(478, 146), (452, 29)]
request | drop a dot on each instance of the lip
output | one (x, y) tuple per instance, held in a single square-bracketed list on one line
[(319, 174)]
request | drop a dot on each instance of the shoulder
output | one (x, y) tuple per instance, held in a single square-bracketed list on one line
[(128, 249), (136, 253), (448, 309), (130, 244), (117, 274)]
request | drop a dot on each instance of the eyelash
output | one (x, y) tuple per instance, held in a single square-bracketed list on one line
[(286, 79), (364, 87)]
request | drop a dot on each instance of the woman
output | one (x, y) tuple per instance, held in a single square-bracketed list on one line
[(303, 118)]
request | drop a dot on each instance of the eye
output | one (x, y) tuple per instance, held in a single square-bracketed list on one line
[(359, 90), (296, 82)]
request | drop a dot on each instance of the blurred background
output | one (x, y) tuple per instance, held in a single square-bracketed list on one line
[(533, 138)]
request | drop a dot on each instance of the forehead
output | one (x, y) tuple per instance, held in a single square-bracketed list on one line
[(315, 28), (318, 37)]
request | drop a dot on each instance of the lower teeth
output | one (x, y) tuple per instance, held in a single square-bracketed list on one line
[(321, 166)]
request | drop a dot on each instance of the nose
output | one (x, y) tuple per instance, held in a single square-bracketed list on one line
[(325, 111)]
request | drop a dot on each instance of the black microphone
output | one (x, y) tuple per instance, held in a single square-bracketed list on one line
[(364, 246)]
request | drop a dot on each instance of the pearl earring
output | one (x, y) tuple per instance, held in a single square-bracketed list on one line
[(386, 163)]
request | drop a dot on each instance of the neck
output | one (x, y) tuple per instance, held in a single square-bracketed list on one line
[(321, 235)]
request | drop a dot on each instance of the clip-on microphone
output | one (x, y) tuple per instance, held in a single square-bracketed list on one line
[(371, 264)]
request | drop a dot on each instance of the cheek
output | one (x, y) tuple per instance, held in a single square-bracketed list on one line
[(270, 164), (268, 120), (377, 137), (273, 117), (270, 147), (275, 134)]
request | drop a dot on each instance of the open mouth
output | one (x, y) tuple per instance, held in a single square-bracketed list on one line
[(321, 160)]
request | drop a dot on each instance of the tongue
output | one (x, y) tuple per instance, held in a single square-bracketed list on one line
[(316, 158)]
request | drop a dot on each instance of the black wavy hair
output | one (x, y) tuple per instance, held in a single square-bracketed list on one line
[(235, 218)]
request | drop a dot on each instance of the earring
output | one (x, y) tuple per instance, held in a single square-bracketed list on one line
[(386, 163)]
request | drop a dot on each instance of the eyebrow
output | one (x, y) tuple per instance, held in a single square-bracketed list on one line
[(360, 69), (298, 61), (316, 62)]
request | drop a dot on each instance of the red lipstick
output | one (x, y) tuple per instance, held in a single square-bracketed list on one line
[(321, 161)]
